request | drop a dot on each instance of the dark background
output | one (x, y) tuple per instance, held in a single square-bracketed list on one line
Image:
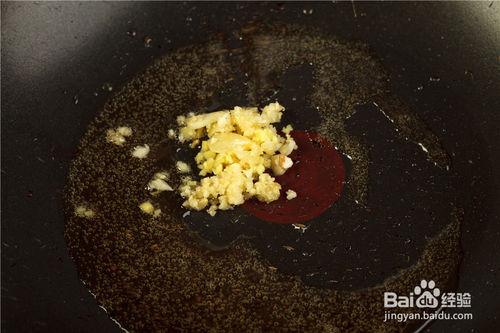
[(57, 56)]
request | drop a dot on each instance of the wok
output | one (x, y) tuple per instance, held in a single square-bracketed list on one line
[(60, 60)]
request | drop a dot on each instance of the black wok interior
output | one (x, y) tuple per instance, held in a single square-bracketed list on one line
[(58, 60)]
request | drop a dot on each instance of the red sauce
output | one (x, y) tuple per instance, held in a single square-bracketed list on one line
[(317, 176)]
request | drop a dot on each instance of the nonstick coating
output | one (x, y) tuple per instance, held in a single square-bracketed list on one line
[(57, 57)]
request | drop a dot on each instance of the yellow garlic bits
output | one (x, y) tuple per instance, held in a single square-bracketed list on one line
[(238, 146)]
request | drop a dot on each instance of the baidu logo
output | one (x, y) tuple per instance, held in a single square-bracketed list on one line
[(426, 295)]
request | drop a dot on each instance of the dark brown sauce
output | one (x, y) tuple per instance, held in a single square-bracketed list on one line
[(317, 176)]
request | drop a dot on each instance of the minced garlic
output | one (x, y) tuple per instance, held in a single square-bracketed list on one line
[(159, 184), (82, 211), (171, 133), (280, 163), (117, 136), (241, 144), (287, 129), (148, 208), (183, 167), (161, 175), (140, 151), (291, 194)]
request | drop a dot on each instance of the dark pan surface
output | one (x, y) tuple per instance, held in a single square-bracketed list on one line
[(445, 104), (397, 219)]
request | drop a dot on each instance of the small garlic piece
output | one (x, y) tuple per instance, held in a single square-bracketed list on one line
[(212, 210), (147, 207), (82, 211), (287, 129), (291, 194), (171, 134), (280, 163), (300, 226), (194, 143), (272, 112), (181, 120), (183, 167), (124, 131), (140, 151), (117, 136), (288, 146), (114, 137), (161, 175), (160, 185)]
